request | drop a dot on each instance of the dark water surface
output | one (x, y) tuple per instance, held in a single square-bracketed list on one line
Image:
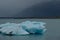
[(52, 33)]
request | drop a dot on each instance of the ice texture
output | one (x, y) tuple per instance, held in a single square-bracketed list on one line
[(34, 27), (26, 27), (12, 28)]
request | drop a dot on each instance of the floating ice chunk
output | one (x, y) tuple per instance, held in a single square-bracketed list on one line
[(12, 28), (23, 28), (34, 26)]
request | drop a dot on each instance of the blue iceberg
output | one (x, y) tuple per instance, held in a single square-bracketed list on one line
[(34, 27), (26, 27)]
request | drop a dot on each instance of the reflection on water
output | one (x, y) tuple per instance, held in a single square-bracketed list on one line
[(53, 27), (22, 37)]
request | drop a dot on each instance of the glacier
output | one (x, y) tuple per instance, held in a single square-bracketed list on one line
[(23, 28)]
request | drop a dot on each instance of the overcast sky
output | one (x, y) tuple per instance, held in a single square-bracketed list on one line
[(12, 8)]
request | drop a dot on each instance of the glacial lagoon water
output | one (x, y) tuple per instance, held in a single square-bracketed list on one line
[(52, 33)]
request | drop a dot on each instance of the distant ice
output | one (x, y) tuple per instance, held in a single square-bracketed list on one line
[(23, 28)]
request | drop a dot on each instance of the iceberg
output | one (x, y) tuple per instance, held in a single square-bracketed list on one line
[(34, 27), (12, 28), (26, 27)]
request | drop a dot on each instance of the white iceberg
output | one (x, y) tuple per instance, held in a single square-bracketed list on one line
[(23, 28), (12, 28)]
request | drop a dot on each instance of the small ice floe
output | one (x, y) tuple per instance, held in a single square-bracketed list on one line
[(27, 27)]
